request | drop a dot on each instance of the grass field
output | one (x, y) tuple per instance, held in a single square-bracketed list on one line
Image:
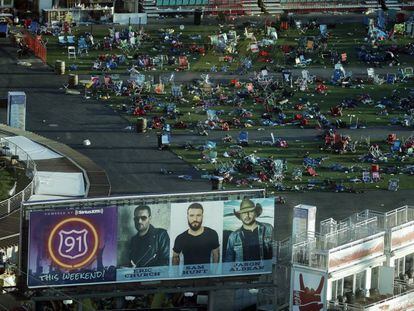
[(343, 38), (6, 183)]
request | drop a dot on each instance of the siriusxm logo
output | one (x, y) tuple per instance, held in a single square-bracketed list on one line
[(87, 212)]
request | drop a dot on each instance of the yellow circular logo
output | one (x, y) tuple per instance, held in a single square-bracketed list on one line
[(73, 243)]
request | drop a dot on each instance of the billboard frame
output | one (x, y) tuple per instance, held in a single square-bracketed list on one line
[(103, 202)]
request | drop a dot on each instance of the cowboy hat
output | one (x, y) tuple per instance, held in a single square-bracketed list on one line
[(246, 206)]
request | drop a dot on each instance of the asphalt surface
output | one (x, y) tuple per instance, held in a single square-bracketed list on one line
[(133, 162)]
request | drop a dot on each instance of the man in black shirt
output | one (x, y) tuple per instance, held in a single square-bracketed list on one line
[(198, 244), (253, 240), (150, 247)]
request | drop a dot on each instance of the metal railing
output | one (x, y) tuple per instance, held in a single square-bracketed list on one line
[(399, 216), (9, 150), (313, 251)]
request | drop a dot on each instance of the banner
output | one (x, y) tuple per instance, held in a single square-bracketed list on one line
[(151, 242), (72, 247), (308, 291), (402, 236), (345, 256)]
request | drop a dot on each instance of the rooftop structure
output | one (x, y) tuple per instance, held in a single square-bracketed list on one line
[(363, 262)]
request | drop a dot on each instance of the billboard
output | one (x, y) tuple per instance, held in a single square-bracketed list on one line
[(402, 236), (16, 110), (399, 303), (304, 218), (72, 246), (130, 243), (308, 290), (342, 256)]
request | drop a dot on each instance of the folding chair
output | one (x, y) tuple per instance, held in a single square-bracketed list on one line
[(176, 91), (183, 63), (71, 52), (62, 40), (91, 86), (298, 63), (409, 72), (254, 48), (307, 76), (378, 80), (107, 44), (370, 72), (70, 39), (211, 156), (390, 78), (117, 87), (82, 47), (97, 65), (159, 88), (393, 184), (375, 176), (304, 61), (372, 76), (401, 75), (164, 141), (158, 61), (338, 75), (323, 29), (107, 82), (133, 41), (243, 138), (366, 177), (311, 171), (396, 146), (287, 76), (139, 79), (247, 34), (272, 33), (309, 45)]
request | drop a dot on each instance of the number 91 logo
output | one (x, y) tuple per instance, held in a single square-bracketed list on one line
[(73, 243)]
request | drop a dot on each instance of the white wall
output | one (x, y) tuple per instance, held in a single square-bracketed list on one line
[(403, 302), (6, 4), (133, 18), (45, 4)]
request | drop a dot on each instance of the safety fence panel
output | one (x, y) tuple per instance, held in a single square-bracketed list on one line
[(36, 45)]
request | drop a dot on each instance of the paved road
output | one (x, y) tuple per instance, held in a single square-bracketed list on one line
[(132, 161)]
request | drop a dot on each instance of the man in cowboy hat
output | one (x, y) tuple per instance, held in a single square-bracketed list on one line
[(253, 240)]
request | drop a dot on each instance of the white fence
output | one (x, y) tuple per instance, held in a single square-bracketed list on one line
[(130, 18)]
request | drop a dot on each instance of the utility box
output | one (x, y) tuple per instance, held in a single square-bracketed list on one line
[(16, 110)]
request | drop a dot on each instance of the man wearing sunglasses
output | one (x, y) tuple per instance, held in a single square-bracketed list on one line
[(150, 247)]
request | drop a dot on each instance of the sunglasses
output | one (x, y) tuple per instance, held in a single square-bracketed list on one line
[(143, 218)]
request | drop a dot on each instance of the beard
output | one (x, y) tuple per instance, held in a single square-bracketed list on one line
[(194, 225), (249, 222)]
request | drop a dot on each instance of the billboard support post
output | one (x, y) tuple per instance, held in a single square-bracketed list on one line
[(211, 300)]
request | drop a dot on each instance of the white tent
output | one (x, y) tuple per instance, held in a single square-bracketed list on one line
[(59, 184), (34, 150)]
